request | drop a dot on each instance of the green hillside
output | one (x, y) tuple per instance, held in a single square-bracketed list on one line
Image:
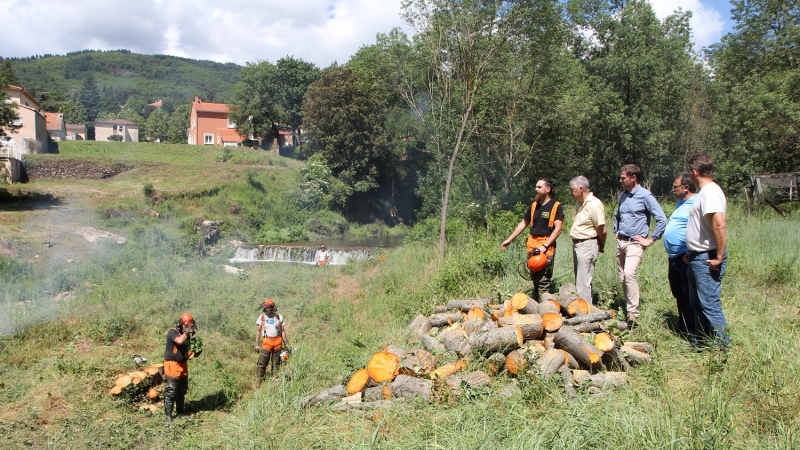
[(147, 77)]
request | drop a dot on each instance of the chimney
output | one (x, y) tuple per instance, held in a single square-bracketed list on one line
[(197, 99)]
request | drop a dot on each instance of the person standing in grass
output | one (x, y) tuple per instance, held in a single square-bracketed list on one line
[(706, 239), (675, 244), (176, 367), (588, 235), (270, 339), (546, 219), (631, 226), (323, 256)]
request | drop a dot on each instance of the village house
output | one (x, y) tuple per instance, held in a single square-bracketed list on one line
[(56, 128), (31, 137), (128, 131), (76, 132), (210, 125)]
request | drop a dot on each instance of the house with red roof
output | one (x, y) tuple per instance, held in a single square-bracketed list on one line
[(31, 136), (56, 128), (209, 125)]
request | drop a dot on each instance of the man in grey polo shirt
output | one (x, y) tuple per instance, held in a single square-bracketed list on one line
[(631, 226)]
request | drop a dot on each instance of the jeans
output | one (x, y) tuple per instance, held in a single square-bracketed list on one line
[(679, 285), (705, 286)]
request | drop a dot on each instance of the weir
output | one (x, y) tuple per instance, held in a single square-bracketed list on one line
[(298, 255)]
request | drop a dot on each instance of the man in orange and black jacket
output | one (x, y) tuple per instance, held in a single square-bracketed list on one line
[(176, 368)]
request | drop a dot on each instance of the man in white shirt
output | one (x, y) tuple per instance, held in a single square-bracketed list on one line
[(323, 256), (706, 239)]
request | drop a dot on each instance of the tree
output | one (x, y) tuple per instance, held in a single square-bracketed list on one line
[(73, 112), (757, 73), (255, 110), (8, 74), (344, 122), (179, 123), (8, 112), (108, 103), (456, 44), (131, 116), (157, 126), (89, 97), (292, 78)]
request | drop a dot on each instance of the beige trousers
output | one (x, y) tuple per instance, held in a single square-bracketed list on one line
[(584, 255), (629, 255)]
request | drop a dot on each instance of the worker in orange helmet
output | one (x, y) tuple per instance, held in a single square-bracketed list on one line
[(176, 368), (270, 339)]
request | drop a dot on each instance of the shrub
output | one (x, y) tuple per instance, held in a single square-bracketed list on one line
[(115, 138)]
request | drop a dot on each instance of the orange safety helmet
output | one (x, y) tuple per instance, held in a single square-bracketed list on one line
[(267, 303), (537, 263), (186, 319)]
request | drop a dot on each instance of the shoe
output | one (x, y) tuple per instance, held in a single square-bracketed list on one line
[(633, 324)]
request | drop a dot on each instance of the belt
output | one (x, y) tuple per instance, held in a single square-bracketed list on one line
[(578, 241), (693, 253), (622, 237)]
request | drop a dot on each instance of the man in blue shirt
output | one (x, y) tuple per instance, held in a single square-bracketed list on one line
[(675, 244), (631, 227)]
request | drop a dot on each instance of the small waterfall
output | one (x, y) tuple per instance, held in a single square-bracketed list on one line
[(299, 255)]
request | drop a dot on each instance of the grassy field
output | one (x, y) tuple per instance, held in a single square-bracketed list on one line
[(74, 314)]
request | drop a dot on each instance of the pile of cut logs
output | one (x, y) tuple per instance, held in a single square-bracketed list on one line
[(562, 335), (140, 385)]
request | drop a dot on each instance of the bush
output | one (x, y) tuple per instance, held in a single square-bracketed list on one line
[(115, 138)]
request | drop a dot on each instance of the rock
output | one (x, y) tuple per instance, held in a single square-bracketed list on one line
[(92, 235)]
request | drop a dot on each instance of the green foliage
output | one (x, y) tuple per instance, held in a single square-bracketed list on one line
[(115, 137), (157, 126), (318, 188), (108, 329), (89, 97), (179, 123), (74, 112)]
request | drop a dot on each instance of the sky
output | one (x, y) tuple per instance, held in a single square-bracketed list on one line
[(239, 31)]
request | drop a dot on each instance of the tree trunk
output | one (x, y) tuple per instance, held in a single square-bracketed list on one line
[(604, 342), (456, 341), (592, 317), (549, 363), (358, 381), (588, 356), (497, 340), (433, 344), (566, 376), (327, 395), (550, 305), (640, 346), (635, 356), (467, 304), (529, 324), (442, 320)]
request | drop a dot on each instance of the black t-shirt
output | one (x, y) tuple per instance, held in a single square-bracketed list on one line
[(541, 218), (182, 349)]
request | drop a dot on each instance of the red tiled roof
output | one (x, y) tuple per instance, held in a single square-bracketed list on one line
[(156, 103), (211, 107), (54, 120), (229, 135)]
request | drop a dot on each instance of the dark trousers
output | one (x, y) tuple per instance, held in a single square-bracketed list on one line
[(268, 359), (543, 281), (175, 393), (679, 285)]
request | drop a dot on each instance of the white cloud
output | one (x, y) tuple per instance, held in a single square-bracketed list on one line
[(320, 31), (707, 23)]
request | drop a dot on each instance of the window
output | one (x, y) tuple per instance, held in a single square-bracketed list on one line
[(231, 124), (208, 139)]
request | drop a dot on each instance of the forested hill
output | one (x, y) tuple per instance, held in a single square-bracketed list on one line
[(125, 74)]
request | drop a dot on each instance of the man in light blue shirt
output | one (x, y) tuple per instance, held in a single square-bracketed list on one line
[(675, 244), (631, 227)]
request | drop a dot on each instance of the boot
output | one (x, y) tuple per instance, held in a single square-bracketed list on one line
[(179, 407), (168, 411)]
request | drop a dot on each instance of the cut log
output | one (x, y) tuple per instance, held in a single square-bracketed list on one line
[(473, 380), (440, 309), (568, 288), (581, 376), (604, 342), (495, 363), (472, 325), (386, 392), (152, 394), (549, 363), (448, 369), (324, 396), (383, 366), (420, 326), (455, 340), (153, 369), (614, 360), (363, 406), (417, 363), (593, 317), (532, 307), (608, 379), (496, 340), (476, 313), (519, 301), (547, 342), (566, 377), (588, 356), (355, 398), (358, 382), (635, 356), (517, 361), (433, 344), (407, 387), (395, 350), (640, 346), (468, 304), (572, 305), (552, 321), (530, 324), (551, 305), (373, 393), (444, 319)]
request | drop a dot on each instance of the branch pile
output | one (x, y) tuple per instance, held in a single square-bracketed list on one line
[(467, 342)]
